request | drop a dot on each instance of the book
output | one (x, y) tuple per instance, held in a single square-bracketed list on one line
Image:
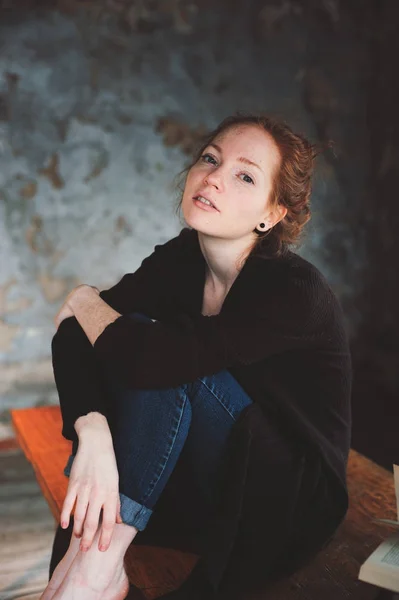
[(382, 566)]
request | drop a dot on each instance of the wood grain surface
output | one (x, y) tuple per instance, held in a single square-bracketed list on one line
[(330, 576), (26, 528)]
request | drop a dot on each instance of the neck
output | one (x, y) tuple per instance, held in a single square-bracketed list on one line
[(224, 259)]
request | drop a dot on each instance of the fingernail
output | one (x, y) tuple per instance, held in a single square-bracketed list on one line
[(103, 548), (84, 548), (63, 524)]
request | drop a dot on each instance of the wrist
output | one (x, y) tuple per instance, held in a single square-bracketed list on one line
[(83, 293), (93, 421)]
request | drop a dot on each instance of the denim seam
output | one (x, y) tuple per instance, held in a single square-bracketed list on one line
[(218, 399), (153, 483)]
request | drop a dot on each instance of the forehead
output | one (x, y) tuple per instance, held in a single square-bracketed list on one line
[(250, 141)]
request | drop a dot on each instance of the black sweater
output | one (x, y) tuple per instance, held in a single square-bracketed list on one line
[(280, 333)]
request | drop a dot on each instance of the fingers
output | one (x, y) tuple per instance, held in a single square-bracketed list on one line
[(67, 507), (108, 523), (80, 511), (87, 516), (62, 314), (90, 525)]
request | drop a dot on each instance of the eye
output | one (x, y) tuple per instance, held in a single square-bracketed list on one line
[(203, 157), (250, 178), (207, 155)]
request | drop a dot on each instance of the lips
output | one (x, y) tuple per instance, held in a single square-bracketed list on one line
[(206, 198)]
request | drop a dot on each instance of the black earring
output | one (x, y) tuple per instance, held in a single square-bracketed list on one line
[(262, 225)]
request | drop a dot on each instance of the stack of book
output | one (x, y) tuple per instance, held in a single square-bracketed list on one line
[(382, 566)]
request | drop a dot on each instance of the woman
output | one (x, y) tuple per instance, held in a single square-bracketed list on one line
[(207, 395)]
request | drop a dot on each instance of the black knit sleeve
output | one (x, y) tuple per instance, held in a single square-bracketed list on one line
[(289, 313), (78, 375)]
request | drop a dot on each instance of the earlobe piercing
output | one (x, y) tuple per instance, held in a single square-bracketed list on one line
[(262, 225)]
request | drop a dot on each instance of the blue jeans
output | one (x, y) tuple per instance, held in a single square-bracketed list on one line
[(150, 428)]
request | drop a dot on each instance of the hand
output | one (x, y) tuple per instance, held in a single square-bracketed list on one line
[(93, 483), (66, 309)]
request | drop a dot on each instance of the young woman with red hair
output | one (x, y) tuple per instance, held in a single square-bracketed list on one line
[(207, 395)]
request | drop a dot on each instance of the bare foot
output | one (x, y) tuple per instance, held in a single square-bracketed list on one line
[(118, 589), (107, 584), (95, 575), (61, 569)]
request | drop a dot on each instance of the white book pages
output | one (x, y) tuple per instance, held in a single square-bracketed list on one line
[(382, 566), (387, 522), (396, 483)]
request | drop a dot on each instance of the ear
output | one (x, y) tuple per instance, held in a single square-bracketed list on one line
[(277, 215)]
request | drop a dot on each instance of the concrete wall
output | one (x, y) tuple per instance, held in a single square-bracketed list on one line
[(99, 111)]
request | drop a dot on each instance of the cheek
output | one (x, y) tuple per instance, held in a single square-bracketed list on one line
[(191, 180), (248, 207)]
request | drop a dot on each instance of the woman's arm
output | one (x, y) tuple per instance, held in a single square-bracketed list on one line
[(74, 362), (290, 313), (78, 374), (92, 313)]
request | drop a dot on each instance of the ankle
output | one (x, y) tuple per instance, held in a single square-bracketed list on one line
[(122, 537)]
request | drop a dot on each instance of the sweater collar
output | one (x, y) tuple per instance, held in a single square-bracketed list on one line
[(246, 282)]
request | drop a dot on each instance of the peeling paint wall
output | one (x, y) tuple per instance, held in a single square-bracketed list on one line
[(100, 110)]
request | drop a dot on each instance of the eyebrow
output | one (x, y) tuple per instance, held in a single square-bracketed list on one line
[(240, 158)]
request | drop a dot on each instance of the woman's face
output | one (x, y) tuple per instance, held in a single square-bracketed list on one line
[(238, 190)]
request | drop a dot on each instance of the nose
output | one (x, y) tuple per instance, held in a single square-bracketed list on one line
[(214, 178)]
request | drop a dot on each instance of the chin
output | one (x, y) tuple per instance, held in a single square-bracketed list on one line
[(199, 223)]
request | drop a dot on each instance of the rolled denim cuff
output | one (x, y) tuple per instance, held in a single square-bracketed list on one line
[(133, 513)]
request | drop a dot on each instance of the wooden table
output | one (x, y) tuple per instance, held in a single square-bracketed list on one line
[(330, 576)]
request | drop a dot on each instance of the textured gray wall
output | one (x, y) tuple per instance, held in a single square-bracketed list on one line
[(98, 116)]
